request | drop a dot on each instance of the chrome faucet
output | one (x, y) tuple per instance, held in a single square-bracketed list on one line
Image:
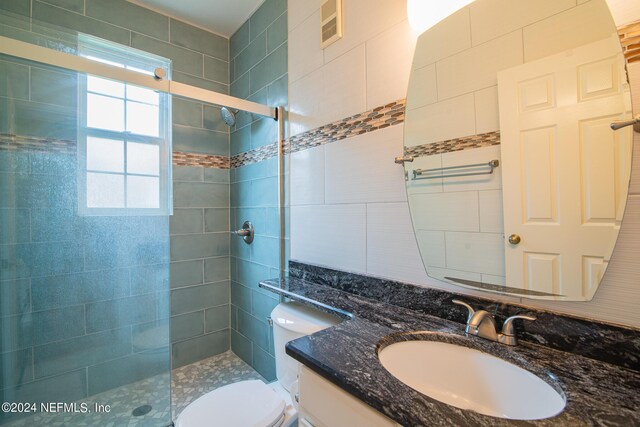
[(482, 324)]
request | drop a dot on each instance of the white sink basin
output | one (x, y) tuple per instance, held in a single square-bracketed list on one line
[(469, 379)]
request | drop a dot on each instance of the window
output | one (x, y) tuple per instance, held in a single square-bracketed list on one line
[(123, 141)]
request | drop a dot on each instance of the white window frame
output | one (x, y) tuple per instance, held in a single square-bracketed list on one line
[(92, 49)]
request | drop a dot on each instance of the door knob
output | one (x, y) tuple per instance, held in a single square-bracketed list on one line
[(514, 239)]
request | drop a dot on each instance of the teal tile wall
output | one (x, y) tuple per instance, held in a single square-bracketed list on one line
[(199, 58), (200, 274), (84, 289), (258, 72)]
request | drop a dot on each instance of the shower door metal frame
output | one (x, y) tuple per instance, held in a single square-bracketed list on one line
[(280, 112), (31, 52)]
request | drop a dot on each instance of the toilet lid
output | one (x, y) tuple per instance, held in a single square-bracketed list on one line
[(243, 404)]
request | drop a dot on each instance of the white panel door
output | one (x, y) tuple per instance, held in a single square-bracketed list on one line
[(565, 173)]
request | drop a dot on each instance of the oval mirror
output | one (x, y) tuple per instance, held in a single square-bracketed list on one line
[(518, 184)]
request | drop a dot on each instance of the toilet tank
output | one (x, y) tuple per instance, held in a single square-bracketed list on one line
[(293, 320)]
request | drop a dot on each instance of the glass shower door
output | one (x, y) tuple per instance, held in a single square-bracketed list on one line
[(84, 240)]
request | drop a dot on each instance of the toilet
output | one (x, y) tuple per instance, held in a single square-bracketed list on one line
[(254, 403)]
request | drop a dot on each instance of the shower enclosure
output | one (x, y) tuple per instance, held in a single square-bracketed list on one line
[(85, 183), (85, 202)]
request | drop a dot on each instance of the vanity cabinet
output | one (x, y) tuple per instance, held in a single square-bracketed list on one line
[(323, 404)]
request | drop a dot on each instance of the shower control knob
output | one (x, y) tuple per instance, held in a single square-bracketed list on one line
[(514, 239), (246, 232)]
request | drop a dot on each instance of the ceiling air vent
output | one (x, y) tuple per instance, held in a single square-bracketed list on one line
[(330, 22)]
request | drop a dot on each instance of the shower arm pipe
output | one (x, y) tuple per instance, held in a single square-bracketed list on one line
[(43, 55)]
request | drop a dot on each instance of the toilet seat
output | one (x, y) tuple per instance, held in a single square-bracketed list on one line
[(243, 404)]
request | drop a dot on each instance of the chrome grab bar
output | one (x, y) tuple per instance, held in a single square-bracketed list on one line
[(417, 173)]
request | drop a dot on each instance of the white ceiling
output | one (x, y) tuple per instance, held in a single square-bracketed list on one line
[(222, 17)]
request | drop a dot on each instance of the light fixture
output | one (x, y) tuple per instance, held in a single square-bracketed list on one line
[(424, 14)]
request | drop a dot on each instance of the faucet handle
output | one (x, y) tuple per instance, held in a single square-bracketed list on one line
[(507, 327), (464, 304)]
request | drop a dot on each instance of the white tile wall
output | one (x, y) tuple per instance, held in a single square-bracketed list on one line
[(368, 67), (424, 87), (299, 10), (492, 19), (390, 236), (330, 235), (306, 103), (329, 93), (487, 113), (344, 85), (300, 38), (456, 33), (624, 11), (446, 211), (475, 252), (447, 119), (433, 250), (363, 20), (394, 46), (584, 24), (307, 177), (322, 234), (361, 169), (457, 77), (491, 215)]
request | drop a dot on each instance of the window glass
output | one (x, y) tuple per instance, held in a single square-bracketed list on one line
[(105, 155), (105, 190), (143, 119), (148, 96), (143, 159), (105, 61), (124, 136), (105, 86), (104, 112), (143, 192)]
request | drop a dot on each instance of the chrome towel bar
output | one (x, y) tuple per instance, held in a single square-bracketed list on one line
[(419, 173)]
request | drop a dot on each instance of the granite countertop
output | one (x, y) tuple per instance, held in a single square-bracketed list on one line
[(597, 393)]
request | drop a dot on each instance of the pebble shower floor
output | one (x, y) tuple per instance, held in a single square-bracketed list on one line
[(187, 384)]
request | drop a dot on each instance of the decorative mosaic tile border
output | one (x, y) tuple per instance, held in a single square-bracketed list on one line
[(457, 144), (369, 121), (379, 118), (181, 158), (630, 41), (11, 142), (254, 156)]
